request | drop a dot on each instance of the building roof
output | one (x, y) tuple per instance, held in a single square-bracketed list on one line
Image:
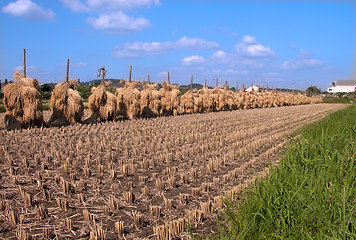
[(345, 83)]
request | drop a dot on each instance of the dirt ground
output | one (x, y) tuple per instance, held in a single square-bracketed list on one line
[(72, 182)]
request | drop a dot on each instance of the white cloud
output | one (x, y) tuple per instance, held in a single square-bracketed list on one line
[(247, 39), (305, 60), (81, 64), (155, 48), (112, 19), (247, 52), (248, 47), (28, 10), (194, 59), (107, 5), (253, 50), (302, 64), (76, 5), (122, 4), (236, 72), (219, 54), (195, 43), (292, 46), (118, 23), (19, 69)]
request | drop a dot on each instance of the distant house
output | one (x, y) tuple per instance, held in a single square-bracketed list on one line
[(343, 86), (255, 88)]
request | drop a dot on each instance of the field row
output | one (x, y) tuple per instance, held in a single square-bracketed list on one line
[(144, 178)]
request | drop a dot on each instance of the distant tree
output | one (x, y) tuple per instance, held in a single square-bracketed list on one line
[(46, 88), (313, 90), (5, 81)]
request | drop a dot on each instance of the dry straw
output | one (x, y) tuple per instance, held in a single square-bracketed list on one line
[(23, 103), (66, 103)]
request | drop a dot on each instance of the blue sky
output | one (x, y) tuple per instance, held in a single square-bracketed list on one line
[(292, 44)]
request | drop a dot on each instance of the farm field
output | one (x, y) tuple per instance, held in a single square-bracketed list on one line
[(130, 178)]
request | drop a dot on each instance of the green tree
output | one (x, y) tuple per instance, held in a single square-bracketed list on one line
[(313, 90)]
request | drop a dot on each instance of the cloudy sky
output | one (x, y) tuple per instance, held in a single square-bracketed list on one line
[(292, 44)]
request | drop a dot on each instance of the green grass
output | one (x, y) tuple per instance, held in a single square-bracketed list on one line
[(338, 100), (311, 195)]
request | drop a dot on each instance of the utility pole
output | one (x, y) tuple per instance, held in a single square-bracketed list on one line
[(148, 78), (130, 73), (169, 80), (191, 82), (67, 76), (24, 62)]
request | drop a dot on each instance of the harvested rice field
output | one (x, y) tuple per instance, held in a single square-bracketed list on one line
[(138, 179)]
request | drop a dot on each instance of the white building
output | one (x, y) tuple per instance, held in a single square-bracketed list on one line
[(255, 88), (343, 86)]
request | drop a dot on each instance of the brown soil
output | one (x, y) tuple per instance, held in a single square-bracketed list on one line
[(45, 173)]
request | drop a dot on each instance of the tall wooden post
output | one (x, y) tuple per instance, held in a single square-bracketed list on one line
[(102, 74), (169, 80), (225, 84), (24, 62), (130, 73), (191, 82), (237, 86), (67, 76), (205, 83), (217, 82), (148, 78)]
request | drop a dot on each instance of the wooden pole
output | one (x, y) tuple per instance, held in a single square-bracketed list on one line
[(67, 76), (237, 86), (225, 84), (217, 82), (205, 83), (191, 82), (130, 74), (148, 78), (102, 74), (24, 62), (169, 80)]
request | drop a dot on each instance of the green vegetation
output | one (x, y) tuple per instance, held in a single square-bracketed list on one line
[(312, 90), (84, 91), (312, 193), (2, 108), (338, 100)]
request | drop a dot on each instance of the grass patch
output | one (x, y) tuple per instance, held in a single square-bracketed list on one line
[(338, 100), (311, 195)]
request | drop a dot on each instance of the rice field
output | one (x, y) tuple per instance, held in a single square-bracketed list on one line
[(137, 179)]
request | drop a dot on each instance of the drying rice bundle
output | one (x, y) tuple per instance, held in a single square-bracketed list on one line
[(187, 102), (220, 98), (229, 99), (150, 101), (267, 99), (198, 102), (65, 103), (215, 97), (102, 103), (170, 99), (207, 104), (254, 99), (315, 100), (22, 102), (128, 100), (248, 100)]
